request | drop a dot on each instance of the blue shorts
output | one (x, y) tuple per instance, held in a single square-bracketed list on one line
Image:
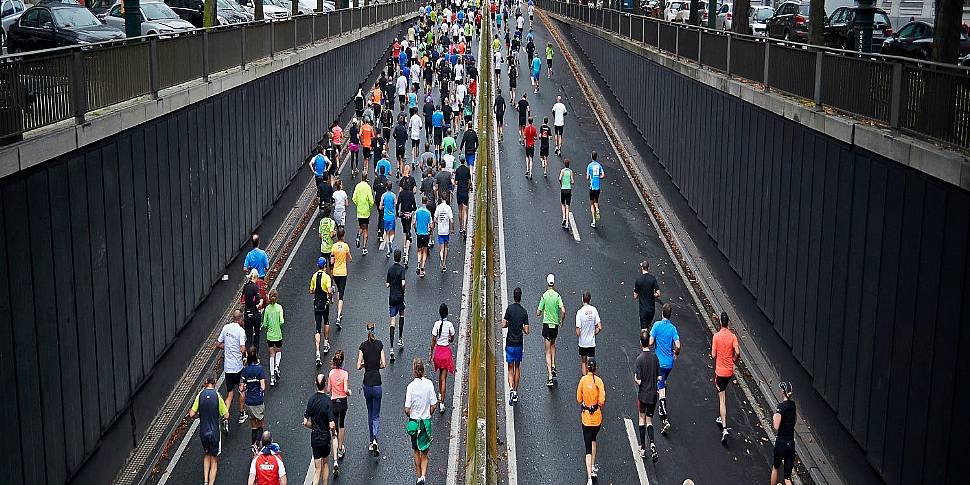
[(395, 309), (662, 382), (535, 75), (388, 225), (443, 239), (513, 355), (470, 159)]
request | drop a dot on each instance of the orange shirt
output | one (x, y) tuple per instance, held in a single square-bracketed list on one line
[(376, 95), (722, 349), (366, 134), (589, 392)]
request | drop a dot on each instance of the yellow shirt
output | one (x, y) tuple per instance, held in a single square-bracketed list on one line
[(341, 252), (589, 392)]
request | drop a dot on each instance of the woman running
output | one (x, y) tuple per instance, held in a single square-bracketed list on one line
[(442, 334), (337, 385), (353, 145), (591, 395), (370, 358)]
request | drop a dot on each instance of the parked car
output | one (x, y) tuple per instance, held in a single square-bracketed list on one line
[(757, 19), (725, 13), (227, 11), (156, 18), (10, 11), (683, 15), (842, 29), (670, 13), (915, 40), (307, 6), (790, 22), (272, 9), (50, 25), (100, 8)]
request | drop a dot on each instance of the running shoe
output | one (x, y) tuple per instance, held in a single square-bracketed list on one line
[(358, 240), (336, 470), (272, 380), (243, 417), (591, 224), (225, 426), (441, 409), (643, 453), (653, 452), (724, 436), (392, 355), (400, 343), (515, 397), (718, 421), (377, 448), (597, 214), (341, 452), (339, 320), (596, 470), (363, 251), (512, 397), (554, 373), (277, 375), (326, 346), (388, 254), (370, 447), (319, 362), (549, 382), (665, 428), (381, 247)]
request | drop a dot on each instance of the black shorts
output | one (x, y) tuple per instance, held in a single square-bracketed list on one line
[(362, 222), (589, 436), (462, 197), (549, 63), (438, 134), (232, 381), (367, 151), (784, 457), (211, 445), (320, 447), (274, 343), (415, 143), (399, 150), (722, 382), (499, 117), (587, 351), (512, 82), (594, 195), (544, 149), (557, 130), (322, 318), (406, 227), (550, 332), (646, 407), (566, 196), (423, 241), (530, 151), (341, 283), (646, 320), (521, 122), (339, 412)]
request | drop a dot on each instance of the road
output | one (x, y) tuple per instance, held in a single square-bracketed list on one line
[(548, 441)]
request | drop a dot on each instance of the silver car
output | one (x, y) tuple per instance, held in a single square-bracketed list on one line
[(10, 11), (156, 18), (758, 17)]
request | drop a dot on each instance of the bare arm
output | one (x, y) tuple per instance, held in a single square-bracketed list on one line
[(776, 421), (360, 360)]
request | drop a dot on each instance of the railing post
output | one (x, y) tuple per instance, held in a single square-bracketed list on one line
[(896, 96), (295, 34), (700, 40), (658, 37), (727, 64), (767, 62), (205, 55), (79, 86), (153, 82), (313, 28), (818, 79), (272, 39), (242, 51), (677, 42)]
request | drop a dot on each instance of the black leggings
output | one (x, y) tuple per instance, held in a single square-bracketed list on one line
[(589, 437), (339, 412)]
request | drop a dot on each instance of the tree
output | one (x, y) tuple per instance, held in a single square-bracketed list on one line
[(694, 17), (816, 22), (294, 8), (319, 6), (946, 36), (739, 22), (209, 13), (258, 9)]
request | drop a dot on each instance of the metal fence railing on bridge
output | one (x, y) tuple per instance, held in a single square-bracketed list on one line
[(921, 98), (44, 87)]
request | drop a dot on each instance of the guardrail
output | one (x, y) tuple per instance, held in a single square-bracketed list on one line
[(925, 99), (45, 87)]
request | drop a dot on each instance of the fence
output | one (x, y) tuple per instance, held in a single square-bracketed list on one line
[(924, 99), (45, 87)]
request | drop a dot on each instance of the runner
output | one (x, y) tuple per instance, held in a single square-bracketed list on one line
[(340, 204), (406, 205), (321, 288), (516, 320), (253, 301), (544, 134), (725, 351), (442, 335), (549, 60), (591, 396), (213, 417), (646, 291), (419, 405), (559, 122), (273, 324), (646, 375), (370, 358), (536, 64), (388, 208), (341, 256), (784, 423), (254, 384), (416, 125), (437, 128), (513, 75), (267, 465), (552, 311), (595, 174), (395, 284), (667, 340), (320, 165), (499, 107), (339, 392), (364, 201), (232, 341), (463, 185), (444, 217), (367, 141), (588, 325), (353, 145), (422, 228), (523, 109), (327, 230), (256, 258), (318, 417), (469, 142), (566, 192), (529, 134)]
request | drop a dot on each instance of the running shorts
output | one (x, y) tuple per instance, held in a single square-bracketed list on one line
[(256, 411), (232, 381), (589, 436), (339, 412), (557, 129), (566, 196), (320, 446), (664, 374), (513, 354), (389, 225), (437, 135), (395, 308), (399, 150), (341, 283), (521, 122), (594, 195), (550, 332), (587, 351), (322, 318), (470, 159), (784, 454), (274, 343), (512, 82), (544, 149), (646, 320), (549, 63), (415, 143), (530, 151), (462, 197), (721, 383), (443, 238), (211, 444), (499, 117), (406, 227), (367, 151), (423, 241), (646, 407), (362, 222)]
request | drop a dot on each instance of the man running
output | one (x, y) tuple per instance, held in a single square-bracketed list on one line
[(318, 417), (516, 320), (364, 201), (646, 375), (500, 114), (387, 208), (444, 218), (406, 205), (321, 289), (422, 228), (588, 325), (416, 125), (536, 65), (784, 423), (664, 335), (253, 302), (463, 185), (558, 122), (254, 383), (256, 258), (469, 142), (273, 324), (549, 60), (647, 292), (591, 396), (552, 311), (340, 257), (523, 109), (395, 283), (725, 351), (232, 341), (529, 134), (566, 192), (213, 417), (594, 173), (544, 134), (267, 465)]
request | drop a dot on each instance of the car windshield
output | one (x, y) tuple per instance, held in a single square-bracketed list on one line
[(157, 11), (273, 3), (804, 9), (881, 19), (73, 17), (763, 13), (227, 5)]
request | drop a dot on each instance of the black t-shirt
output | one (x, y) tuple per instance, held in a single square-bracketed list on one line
[(523, 108), (395, 278), (443, 179), (544, 133), (648, 368), (463, 177), (499, 106), (251, 297), (517, 317), (400, 134), (427, 188), (446, 110), (371, 349), (469, 140), (325, 191), (406, 205), (786, 430), (318, 411), (407, 183), (428, 112), (645, 287)]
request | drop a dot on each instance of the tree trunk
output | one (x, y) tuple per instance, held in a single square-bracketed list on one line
[(694, 18), (294, 8), (739, 23), (209, 14), (946, 36), (258, 9), (816, 22)]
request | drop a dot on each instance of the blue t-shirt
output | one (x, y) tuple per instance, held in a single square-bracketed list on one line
[(595, 172), (257, 259), (405, 71), (412, 100), (388, 200), (453, 59), (385, 164), (438, 119), (251, 375), (461, 15), (498, 19), (665, 334), (422, 221), (536, 66), (403, 59), (320, 163)]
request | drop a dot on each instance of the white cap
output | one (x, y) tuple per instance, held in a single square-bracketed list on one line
[(550, 279)]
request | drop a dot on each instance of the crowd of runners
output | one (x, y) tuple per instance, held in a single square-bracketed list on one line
[(411, 147)]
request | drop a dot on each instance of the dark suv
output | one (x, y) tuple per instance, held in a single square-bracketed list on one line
[(790, 22), (842, 30), (49, 25)]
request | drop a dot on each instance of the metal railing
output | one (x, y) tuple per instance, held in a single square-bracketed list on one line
[(44, 87), (925, 99)]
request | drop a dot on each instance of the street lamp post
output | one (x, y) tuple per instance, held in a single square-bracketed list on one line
[(865, 16), (132, 11)]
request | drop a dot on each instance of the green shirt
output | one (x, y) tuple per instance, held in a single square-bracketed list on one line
[(273, 321), (548, 52), (567, 179), (363, 199), (449, 141), (549, 305), (327, 226)]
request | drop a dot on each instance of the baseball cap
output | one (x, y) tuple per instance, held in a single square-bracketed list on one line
[(550, 279), (321, 262)]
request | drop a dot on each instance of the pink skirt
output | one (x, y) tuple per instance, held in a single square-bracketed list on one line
[(442, 358)]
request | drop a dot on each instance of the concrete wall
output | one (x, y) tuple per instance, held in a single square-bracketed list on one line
[(860, 263), (107, 250)]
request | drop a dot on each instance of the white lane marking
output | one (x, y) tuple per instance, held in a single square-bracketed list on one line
[(635, 446), (309, 474), (572, 227)]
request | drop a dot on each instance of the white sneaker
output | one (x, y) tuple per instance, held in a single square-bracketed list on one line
[(400, 343)]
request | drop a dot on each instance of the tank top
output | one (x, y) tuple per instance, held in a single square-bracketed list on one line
[(338, 384)]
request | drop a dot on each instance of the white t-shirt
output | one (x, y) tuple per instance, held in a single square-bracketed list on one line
[(449, 160), (586, 320), (443, 216), (559, 114), (339, 203), (460, 92), (520, 22), (416, 74), (447, 330), (497, 60), (420, 396), (232, 337), (417, 124), (402, 85)]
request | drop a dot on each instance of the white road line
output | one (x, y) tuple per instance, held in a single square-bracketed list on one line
[(309, 474), (635, 446), (572, 227)]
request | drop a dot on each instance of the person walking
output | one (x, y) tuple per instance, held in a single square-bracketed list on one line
[(267, 465), (253, 302), (273, 324), (213, 417), (647, 292), (725, 351), (370, 358), (516, 321), (783, 421), (442, 335), (254, 384), (340, 257), (591, 396), (646, 375), (321, 288), (419, 404), (664, 335), (552, 311), (318, 417), (588, 325), (337, 386), (232, 341), (364, 201), (565, 192), (395, 283)]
